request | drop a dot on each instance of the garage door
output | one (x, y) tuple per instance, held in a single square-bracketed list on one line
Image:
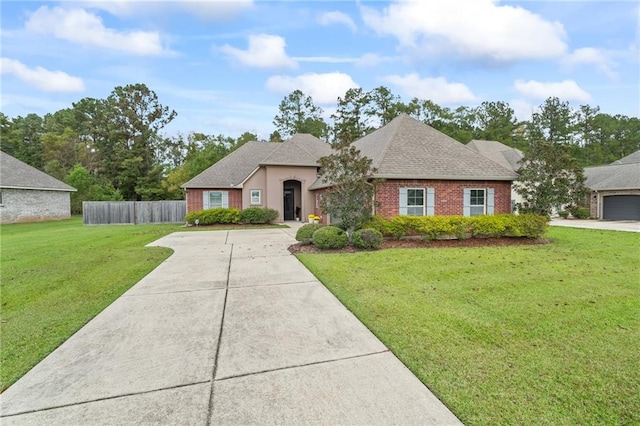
[(621, 207)]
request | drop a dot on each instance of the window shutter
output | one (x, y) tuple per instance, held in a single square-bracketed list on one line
[(490, 204), (205, 200), (403, 201), (431, 201), (225, 199), (466, 202)]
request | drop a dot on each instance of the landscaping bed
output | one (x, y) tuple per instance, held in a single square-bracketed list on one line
[(420, 243)]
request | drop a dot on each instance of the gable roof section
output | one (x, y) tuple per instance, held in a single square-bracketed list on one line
[(409, 149), (301, 150), (16, 174), (233, 169), (629, 159), (497, 152), (620, 175)]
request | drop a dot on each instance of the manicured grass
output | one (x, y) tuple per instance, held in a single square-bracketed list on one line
[(546, 334), (56, 276)]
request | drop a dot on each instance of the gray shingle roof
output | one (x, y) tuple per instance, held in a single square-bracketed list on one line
[(233, 169), (629, 159), (409, 149), (498, 152), (16, 174), (301, 150), (619, 175)]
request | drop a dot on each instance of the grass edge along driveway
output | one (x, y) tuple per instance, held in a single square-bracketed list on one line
[(56, 276), (546, 334)]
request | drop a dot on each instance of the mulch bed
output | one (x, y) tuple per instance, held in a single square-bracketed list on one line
[(417, 243)]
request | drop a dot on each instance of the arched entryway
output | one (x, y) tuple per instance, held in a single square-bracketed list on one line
[(292, 199)]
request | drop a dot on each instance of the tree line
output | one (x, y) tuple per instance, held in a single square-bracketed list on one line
[(114, 149)]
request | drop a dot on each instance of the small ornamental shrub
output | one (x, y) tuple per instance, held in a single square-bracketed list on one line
[(367, 238), (305, 232), (579, 212), (214, 216), (380, 224), (330, 237), (563, 214), (258, 215)]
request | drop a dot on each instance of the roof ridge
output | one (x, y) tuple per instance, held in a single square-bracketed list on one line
[(394, 133)]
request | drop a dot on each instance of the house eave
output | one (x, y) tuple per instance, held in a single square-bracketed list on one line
[(34, 188), (444, 177)]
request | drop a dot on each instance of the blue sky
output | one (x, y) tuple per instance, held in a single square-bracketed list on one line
[(225, 66)]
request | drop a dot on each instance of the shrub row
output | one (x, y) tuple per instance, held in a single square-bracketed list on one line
[(333, 237), (232, 215), (432, 227)]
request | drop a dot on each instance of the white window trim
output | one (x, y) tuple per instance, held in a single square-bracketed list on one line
[(206, 199), (489, 203), (259, 202), (428, 201)]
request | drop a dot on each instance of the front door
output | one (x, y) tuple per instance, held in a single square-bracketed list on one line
[(289, 213)]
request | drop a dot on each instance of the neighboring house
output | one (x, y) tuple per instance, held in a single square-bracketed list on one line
[(29, 195), (615, 189), (423, 172), (502, 154)]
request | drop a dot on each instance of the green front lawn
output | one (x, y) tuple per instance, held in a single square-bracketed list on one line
[(546, 334), (56, 276)]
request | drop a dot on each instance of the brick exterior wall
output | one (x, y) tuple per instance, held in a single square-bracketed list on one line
[(448, 195), (31, 205), (194, 198)]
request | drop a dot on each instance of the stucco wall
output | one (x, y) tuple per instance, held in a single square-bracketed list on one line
[(276, 176), (257, 181), (448, 195), (30, 205), (194, 198)]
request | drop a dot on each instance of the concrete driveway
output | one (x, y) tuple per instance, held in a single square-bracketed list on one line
[(231, 329), (610, 225)]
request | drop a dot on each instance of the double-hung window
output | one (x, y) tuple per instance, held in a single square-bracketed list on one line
[(417, 201), (478, 201), (256, 196), (215, 199)]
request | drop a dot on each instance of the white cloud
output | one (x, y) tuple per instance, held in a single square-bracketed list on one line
[(472, 29), (43, 79), (81, 27), (600, 58), (264, 51), (372, 59), (323, 88), (205, 10), (335, 17), (438, 90), (567, 90)]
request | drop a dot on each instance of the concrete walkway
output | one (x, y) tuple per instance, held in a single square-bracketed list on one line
[(231, 329), (609, 225)]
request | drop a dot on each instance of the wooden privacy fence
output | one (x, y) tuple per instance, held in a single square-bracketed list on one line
[(133, 212)]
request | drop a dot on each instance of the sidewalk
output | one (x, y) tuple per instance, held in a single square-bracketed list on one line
[(231, 329)]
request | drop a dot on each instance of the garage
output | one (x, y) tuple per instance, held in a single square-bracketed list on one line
[(621, 207)]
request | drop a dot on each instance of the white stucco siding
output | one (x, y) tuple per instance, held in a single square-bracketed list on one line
[(31, 205)]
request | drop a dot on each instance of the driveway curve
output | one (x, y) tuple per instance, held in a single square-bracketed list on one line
[(231, 329)]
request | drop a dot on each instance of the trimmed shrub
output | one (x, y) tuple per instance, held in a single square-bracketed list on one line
[(488, 226), (432, 227), (563, 214), (367, 238), (214, 216), (305, 232), (258, 215), (579, 212), (330, 237)]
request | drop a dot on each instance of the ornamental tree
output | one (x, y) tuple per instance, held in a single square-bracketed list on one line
[(351, 194)]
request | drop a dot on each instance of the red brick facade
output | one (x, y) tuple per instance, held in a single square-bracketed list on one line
[(194, 198), (448, 195)]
